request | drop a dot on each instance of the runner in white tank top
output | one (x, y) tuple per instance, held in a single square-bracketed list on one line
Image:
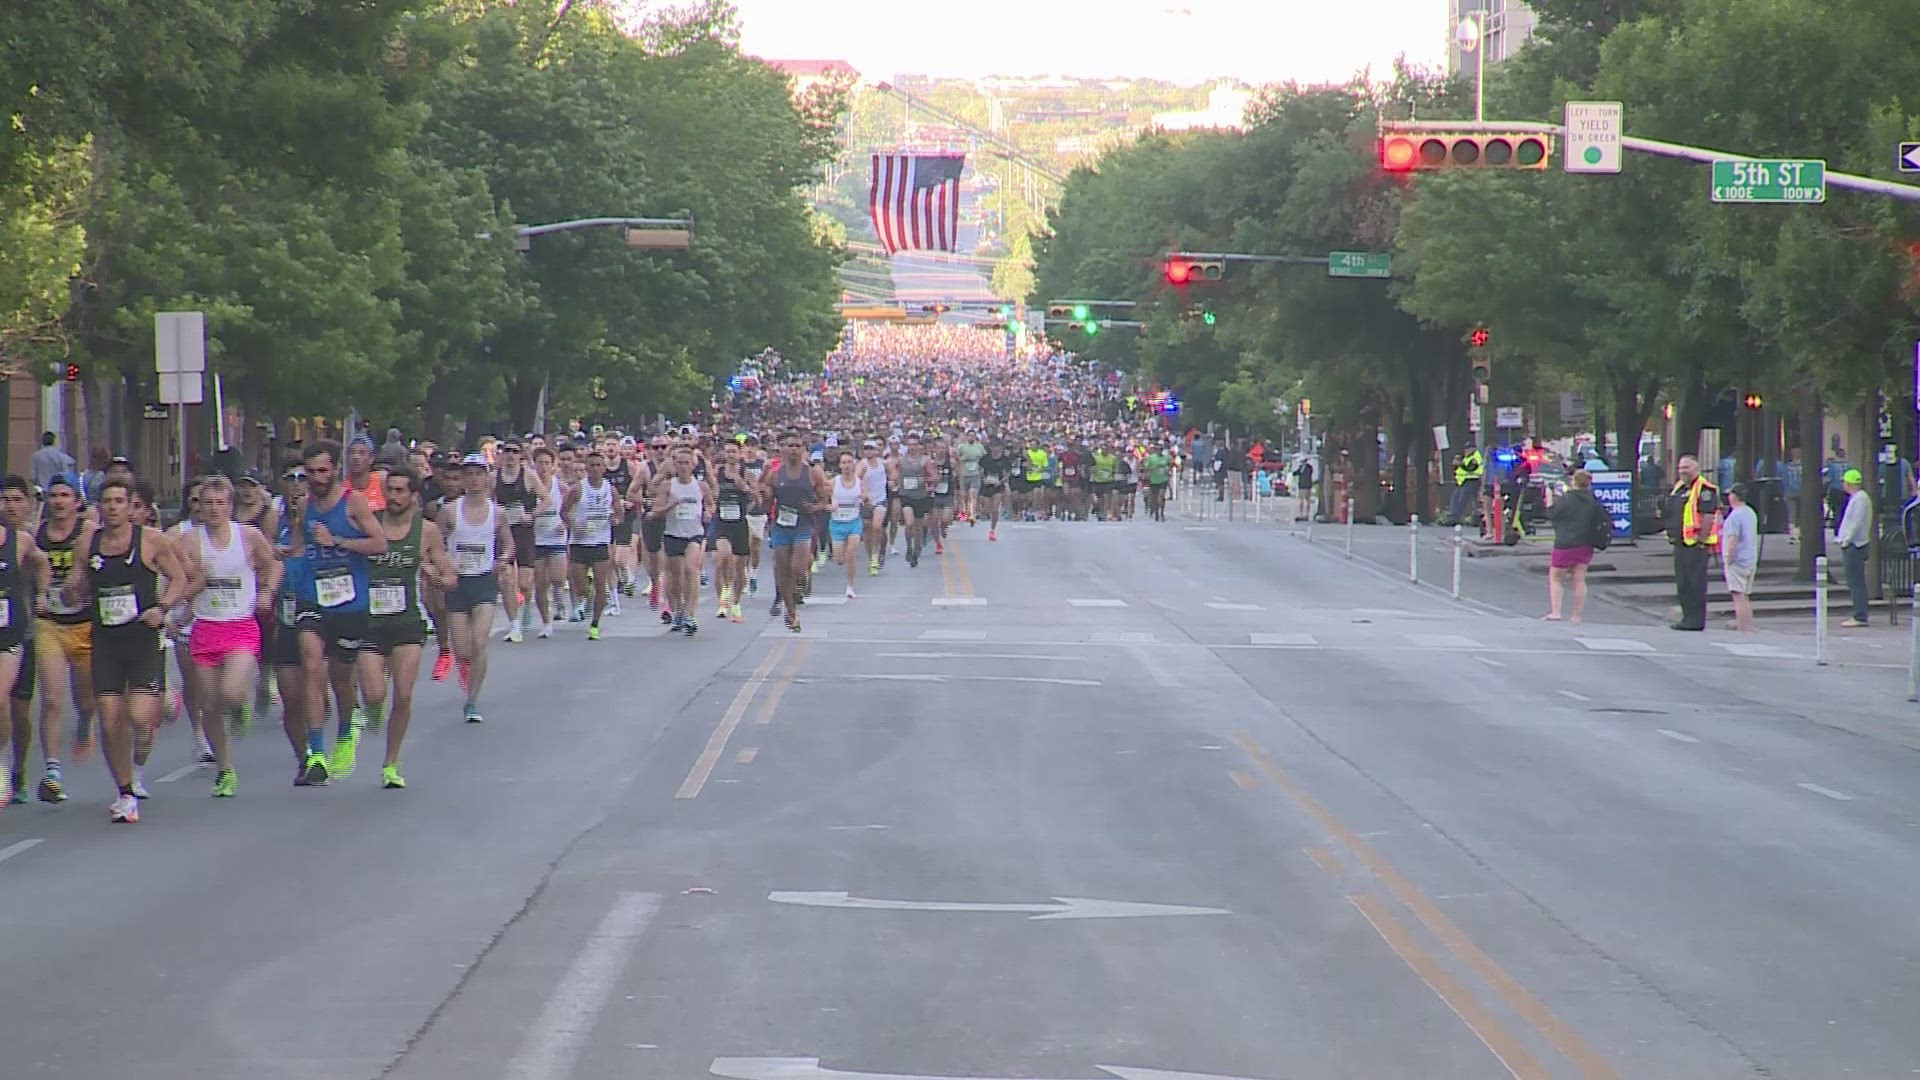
[(234, 575), (846, 520)]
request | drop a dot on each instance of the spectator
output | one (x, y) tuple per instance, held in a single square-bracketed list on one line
[(1740, 554), (50, 461), (1580, 524), (1855, 536)]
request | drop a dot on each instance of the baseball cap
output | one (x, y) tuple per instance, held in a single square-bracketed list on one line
[(475, 461), (1851, 476)]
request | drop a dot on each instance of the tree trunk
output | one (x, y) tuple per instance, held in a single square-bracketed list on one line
[(1813, 528), (433, 408), (523, 398)]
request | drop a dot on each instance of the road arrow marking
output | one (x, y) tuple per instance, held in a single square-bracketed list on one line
[(774, 1068), (1063, 907)]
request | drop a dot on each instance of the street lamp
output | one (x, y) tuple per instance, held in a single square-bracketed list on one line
[(1471, 34)]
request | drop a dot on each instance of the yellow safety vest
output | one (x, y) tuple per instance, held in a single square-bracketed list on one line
[(1036, 466), (1690, 516), (1471, 467)]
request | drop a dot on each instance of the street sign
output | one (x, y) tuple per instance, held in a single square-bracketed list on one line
[(1910, 157), (153, 410), (1594, 129), (1507, 416), (1367, 264), (1614, 490), (1771, 181), (180, 355)]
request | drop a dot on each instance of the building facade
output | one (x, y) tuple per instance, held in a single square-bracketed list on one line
[(1509, 23)]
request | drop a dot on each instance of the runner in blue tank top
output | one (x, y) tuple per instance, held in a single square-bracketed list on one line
[(340, 532)]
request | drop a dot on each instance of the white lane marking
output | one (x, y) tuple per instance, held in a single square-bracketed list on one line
[(824, 601), (1575, 695), (1122, 637), (953, 635), (553, 1043), (853, 828), (1063, 907), (1444, 641), (1297, 640), (1676, 736), (773, 1068), (1489, 661), (17, 847), (180, 773), (1375, 610), (1203, 528), (972, 656), (1236, 607), (1104, 602), (922, 677), (1614, 644), (958, 601), (1755, 649), (1839, 796)]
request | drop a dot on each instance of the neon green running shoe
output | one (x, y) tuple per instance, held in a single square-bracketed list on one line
[(226, 785), (391, 779), (593, 633), (345, 753)]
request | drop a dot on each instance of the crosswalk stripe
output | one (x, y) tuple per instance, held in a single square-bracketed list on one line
[(1298, 640), (1236, 607), (1122, 637), (1444, 641), (1097, 603), (1614, 644)]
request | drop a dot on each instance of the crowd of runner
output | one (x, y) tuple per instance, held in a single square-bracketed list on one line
[(320, 588)]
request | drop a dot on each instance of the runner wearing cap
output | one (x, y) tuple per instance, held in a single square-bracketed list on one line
[(482, 546)]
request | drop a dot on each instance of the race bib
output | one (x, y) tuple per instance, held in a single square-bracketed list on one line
[(223, 602), (788, 518), (119, 608), (729, 511), (846, 513), (942, 488), (387, 599), (6, 612), (517, 513), (598, 521), (1070, 471), (686, 515), (473, 560), (910, 483), (335, 588), (57, 601)]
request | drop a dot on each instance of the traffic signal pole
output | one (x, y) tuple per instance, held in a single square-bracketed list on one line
[(1239, 256), (1701, 154)]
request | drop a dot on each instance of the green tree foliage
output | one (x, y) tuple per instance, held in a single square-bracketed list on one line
[(338, 187)]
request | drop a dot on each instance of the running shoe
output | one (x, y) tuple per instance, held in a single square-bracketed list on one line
[(391, 779), (345, 753), (315, 773), (753, 587), (443, 665), (19, 796), (206, 754), (546, 630), (873, 567), (470, 713), (51, 790), (692, 627), (514, 636), (226, 784), (613, 604), (775, 609), (737, 617), (939, 547), (991, 534), (593, 633), (124, 810), (666, 615)]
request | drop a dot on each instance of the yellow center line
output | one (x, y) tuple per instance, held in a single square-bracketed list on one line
[(1503, 1043), (1576, 1050), (946, 573), (717, 742), (960, 563), (779, 690)]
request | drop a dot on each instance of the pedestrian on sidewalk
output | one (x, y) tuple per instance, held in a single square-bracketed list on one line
[(1580, 524), (1692, 514), (1855, 536), (1740, 555)]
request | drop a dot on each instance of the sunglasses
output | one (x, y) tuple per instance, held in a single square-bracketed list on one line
[(293, 474)]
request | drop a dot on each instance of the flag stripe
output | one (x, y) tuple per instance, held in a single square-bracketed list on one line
[(873, 203)]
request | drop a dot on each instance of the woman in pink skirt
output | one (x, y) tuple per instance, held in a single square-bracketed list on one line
[(1579, 521)]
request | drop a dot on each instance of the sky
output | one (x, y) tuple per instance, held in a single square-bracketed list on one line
[(1184, 41)]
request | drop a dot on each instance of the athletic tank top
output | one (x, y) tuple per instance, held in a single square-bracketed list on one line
[(339, 575), (875, 478), (791, 494), (684, 499), (517, 498), (846, 498), (393, 580), (913, 477), (473, 552), (296, 580), (16, 608), (593, 515), (60, 554), (549, 528), (231, 585), (732, 502), (123, 586)]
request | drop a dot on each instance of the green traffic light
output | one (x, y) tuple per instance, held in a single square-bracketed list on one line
[(1080, 312), (1093, 328), (1209, 318)]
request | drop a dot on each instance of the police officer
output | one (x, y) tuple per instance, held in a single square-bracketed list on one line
[(1692, 513), (1468, 468)]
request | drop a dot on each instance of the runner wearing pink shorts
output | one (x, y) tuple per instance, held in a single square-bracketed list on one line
[(235, 576)]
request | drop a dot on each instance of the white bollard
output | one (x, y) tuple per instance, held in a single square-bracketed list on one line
[(1456, 562), (1313, 511), (1913, 649), (1349, 526), (1413, 549), (1820, 610)]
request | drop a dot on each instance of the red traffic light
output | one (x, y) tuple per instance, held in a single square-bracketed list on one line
[(1753, 401), (1479, 337), (73, 373), (1179, 272), (1411, 148), (1397, 155)]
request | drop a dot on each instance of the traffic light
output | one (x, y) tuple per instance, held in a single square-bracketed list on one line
[(1199, 315), (1182, 272), (72, 373), (1479, 337), (935, 309), (1080, 312), (1482, 362), (1753, 401), (1422, 150)]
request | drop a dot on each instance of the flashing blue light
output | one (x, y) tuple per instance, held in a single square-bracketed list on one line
[(1505, 457)]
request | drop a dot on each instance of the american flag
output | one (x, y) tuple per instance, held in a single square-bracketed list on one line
[(915, 201)]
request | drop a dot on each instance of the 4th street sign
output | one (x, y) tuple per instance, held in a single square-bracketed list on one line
[(1367, 264), (1910, 157)]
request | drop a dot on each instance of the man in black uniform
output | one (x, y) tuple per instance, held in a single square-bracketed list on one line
[(1692, 513)]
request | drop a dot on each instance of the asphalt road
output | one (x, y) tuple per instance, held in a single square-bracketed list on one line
[(1376, 834)]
